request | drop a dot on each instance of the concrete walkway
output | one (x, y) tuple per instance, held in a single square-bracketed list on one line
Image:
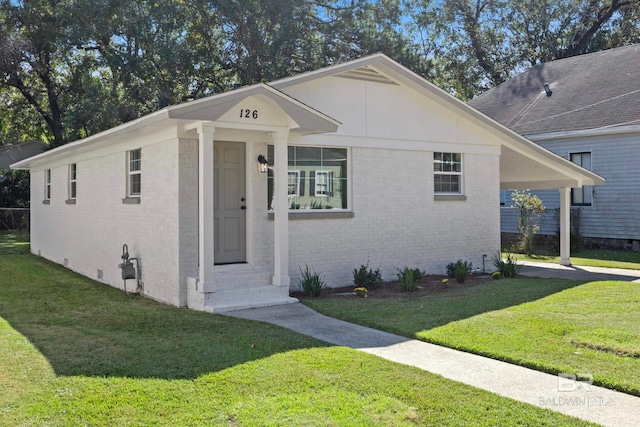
[(575, 398), (556, 271)]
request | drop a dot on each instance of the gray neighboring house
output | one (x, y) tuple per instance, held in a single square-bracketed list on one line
[(12, 153), (590, 114)]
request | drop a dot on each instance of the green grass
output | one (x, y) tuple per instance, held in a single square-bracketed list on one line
[(593, 258), (14, 242), (75, 352), (550, 325)]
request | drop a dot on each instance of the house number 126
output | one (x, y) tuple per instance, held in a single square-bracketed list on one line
[(248, 114)]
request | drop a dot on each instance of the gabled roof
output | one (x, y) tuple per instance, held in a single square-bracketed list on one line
[(591, 91), (523, 164), (307, 119)]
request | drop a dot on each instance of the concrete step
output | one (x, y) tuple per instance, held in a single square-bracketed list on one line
[(232, 278), (245, 297)]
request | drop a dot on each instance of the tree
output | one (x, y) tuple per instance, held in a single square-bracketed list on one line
[(14, 189), (530, 210), (478, 44)]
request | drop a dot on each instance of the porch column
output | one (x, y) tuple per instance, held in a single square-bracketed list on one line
[(205, 205), (281, 209), (565, 230)]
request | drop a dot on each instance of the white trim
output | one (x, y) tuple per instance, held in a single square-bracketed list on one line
[(329, 177), (72, 181), (134, 172), (297, 183), (449, 173), (608, 130), (47, 184)]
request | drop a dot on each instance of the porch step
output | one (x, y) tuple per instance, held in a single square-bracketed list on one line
[(243, 276), (247, 297)]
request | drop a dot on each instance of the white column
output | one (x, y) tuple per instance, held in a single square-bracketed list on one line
[(565, 227), (205, 205), (281, 209)]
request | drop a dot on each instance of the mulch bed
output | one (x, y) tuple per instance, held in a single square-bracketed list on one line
[(429, 285)]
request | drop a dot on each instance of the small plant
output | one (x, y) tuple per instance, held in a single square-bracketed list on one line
[(460, 270), (445, 282), (310, 282), (508, 267), (361, 292), (409, 278), (496, 275), (365, 277)]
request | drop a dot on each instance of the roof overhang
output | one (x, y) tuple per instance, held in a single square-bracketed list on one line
[(304, 119), (523, 163), (585, 133)]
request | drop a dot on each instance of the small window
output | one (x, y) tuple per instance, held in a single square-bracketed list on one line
[(72, 181), (447, 170), (134, 171), (47, 184), (324, 184), (581, 196)]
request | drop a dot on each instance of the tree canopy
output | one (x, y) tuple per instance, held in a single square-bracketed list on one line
[(72, 68)]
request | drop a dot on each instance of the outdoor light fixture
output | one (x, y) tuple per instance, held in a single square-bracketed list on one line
[(262, 164)]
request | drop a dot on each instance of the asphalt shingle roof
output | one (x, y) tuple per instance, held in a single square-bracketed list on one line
[(590, 91)]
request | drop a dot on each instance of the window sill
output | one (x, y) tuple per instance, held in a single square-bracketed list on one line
[(449, 197), (70, 201), (131, 201), (46, 202), (319, 214)]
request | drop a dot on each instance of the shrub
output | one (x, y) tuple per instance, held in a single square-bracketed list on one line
[(460, 270), (409, 278), (365, 277), (310, 282), (508, 267)]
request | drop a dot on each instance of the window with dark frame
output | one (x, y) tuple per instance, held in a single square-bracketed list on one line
[(582, 196), (317, 178)]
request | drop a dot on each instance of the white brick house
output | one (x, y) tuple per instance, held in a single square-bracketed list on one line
[(374, 163)]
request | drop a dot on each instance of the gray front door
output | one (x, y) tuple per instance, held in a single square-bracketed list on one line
[(229, 203)]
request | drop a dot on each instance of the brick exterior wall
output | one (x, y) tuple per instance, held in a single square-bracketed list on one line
[(90, 233)]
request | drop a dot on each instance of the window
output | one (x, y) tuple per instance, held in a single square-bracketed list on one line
[(47, 184), (293, 188), (504, 195), (134, 178), (447, 170), (581, 196), (324, 184), (72, 181), (317, 178)]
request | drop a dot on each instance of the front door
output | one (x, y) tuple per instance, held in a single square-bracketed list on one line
[(229, 203)]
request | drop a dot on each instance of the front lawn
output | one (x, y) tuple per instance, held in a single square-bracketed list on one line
[(592, 258), (76, 352), (549, 325)]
